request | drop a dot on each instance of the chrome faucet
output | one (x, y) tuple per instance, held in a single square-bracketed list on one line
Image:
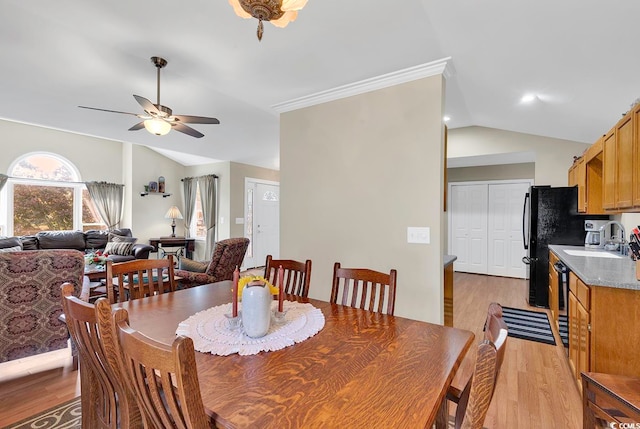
[(621, 234)]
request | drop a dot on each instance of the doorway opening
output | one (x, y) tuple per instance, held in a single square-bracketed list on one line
[(262, 221)]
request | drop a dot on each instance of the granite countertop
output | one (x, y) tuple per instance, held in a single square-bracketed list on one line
[(448, 259), (594, 271)]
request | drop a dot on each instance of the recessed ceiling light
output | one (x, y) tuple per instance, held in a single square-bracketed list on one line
[(528, 98), (446, 118)]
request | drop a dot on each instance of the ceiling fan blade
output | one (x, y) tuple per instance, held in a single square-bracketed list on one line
[(146, 104), (187, 130), (138, 126), (188, 119), (106, 110)]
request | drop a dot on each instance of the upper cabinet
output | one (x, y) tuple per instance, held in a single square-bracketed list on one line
[(608, 173), (578, 177), (636, 155)]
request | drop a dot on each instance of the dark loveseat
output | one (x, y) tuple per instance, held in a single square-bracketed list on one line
[(92, 240)]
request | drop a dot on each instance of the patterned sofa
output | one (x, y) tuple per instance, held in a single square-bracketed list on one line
[(30, 303)]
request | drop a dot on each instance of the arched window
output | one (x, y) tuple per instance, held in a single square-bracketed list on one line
[(45, 193)]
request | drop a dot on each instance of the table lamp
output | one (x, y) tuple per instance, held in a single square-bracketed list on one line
[(173, 213)]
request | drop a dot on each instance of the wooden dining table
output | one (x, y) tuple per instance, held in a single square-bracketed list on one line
[(362, 370)]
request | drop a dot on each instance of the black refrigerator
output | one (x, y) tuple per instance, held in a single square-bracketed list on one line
[(550, 216)]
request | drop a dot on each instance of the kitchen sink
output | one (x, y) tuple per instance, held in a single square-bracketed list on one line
[(592, 253)]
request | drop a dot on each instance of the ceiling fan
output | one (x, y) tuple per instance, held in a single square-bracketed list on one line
[(159, 119)]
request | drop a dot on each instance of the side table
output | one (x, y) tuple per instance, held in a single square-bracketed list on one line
[(186, 245), (95, 281)]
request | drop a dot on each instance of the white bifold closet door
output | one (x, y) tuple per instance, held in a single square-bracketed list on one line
[(469, 228), (486, 227), (505, 246)]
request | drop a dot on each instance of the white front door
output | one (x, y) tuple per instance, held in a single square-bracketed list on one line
[(262, 224)]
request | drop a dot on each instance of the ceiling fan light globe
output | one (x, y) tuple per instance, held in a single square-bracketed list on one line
[(285, 19), (293, 4), (237, 8), (157, 126)]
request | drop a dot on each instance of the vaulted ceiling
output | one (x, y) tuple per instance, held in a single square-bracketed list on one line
[(576, 56)]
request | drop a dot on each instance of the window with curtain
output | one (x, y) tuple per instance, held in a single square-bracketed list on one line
[(198, 228), (44, 193)]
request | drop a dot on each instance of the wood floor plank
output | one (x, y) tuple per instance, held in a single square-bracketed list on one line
[(534, 390)]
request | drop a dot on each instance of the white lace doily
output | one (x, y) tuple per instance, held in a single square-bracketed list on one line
[(209, 330)]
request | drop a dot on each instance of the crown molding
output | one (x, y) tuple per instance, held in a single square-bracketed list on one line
[(442, 66)]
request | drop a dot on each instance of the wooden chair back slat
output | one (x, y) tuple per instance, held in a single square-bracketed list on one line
[(163, 378), (296, 275), (364, 288), (140, 278), (105, 401), (475, 398)]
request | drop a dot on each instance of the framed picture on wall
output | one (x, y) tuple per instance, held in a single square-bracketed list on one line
[(153, 186)]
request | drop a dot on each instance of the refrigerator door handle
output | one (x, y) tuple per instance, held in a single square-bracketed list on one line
[(525, 240)]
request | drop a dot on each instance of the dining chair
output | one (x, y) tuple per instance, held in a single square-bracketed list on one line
[(163, 378), (123, 279), (105, 402), (364, 288), (473, 402), (296, 275)]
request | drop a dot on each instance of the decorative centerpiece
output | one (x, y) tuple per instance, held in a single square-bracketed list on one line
[(96, 259), (257, 294)]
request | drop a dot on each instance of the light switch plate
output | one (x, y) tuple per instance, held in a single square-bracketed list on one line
[(418, 235), (239, 221)]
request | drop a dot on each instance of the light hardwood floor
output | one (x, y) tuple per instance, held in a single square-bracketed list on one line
[(535, 389)]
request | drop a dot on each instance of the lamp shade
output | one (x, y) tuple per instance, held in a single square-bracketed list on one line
[(157, 126), (173, 213)]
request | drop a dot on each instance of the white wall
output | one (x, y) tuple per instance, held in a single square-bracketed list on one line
[(553, 157), (355, 173)]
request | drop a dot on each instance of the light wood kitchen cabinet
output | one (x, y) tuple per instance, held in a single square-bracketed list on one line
[(593, 161), (584, 343), (579, 327), (581, 179), (578, 177), (603, 329), (609, 170), (572, 179), (554, 291), (572, 322), (624, 163), (636, 155), (608, 175)]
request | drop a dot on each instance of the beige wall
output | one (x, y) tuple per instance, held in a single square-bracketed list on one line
[(96, 159), (374, 168), (491, 172), (553, 157), (148, 211)]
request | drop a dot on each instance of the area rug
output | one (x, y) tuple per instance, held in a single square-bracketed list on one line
[(64, 416), (528, 325), (563, 330)]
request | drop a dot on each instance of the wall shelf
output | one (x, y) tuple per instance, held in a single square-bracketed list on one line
[(164, 194)]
